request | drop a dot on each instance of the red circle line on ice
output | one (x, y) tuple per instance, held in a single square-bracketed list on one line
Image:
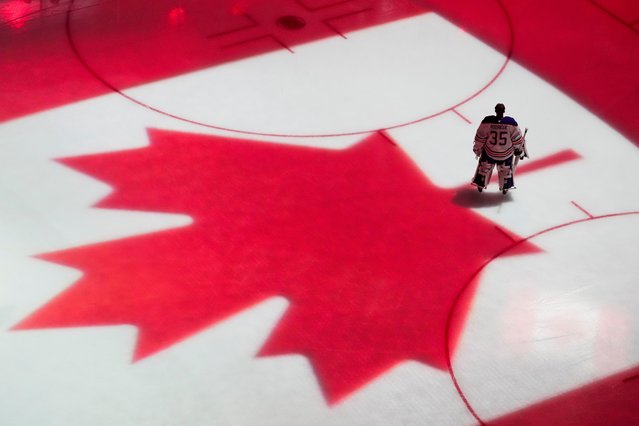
[(515, 244), (98, 76)]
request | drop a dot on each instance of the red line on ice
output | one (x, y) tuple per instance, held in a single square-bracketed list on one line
[(253, 24), (334, 18), (615, 16), (462, 116), (326, 6), (582, 209), (268, 36)]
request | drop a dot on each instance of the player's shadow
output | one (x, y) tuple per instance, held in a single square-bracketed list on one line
[(471, 198)]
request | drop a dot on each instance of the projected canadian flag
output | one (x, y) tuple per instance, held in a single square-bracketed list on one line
[(369, 262)]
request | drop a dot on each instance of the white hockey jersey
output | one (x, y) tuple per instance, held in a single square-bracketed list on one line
[(498, 138)]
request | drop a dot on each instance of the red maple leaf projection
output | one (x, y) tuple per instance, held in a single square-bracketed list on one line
[(369, 253)]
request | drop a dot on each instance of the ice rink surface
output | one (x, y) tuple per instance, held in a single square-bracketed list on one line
[(241, 212)]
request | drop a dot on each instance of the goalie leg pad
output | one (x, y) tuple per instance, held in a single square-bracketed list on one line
[(483, 173), (506, 177)]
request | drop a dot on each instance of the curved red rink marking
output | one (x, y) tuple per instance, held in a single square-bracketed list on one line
[(120, 92), (459, 297)]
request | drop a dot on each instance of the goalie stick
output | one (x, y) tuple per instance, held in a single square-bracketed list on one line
[(524, 151)]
